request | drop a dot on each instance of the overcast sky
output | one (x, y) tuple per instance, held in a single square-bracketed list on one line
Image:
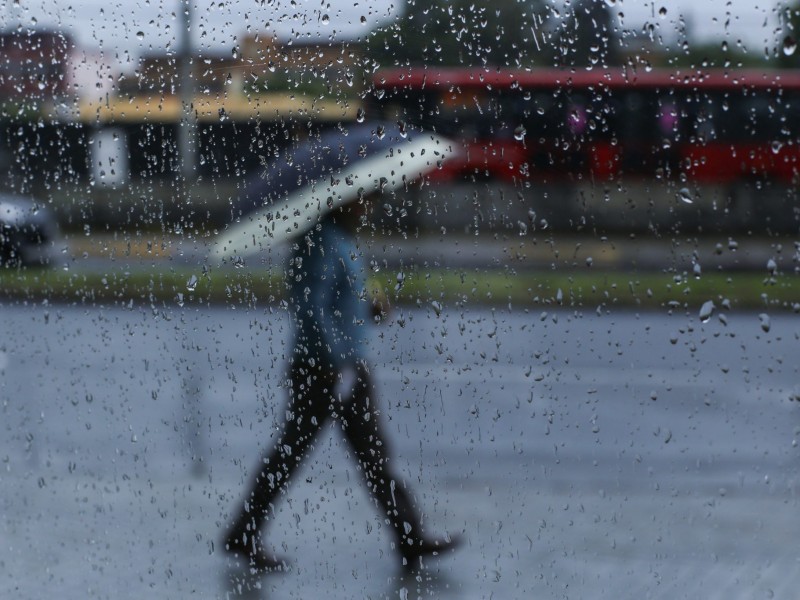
[(136, 26)]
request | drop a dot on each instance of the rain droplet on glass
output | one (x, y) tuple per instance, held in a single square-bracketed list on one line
[(685, 196), (789, 45), (772, 266), (706, 311)]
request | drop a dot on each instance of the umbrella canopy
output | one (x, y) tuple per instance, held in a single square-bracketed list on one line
[(326, 172)]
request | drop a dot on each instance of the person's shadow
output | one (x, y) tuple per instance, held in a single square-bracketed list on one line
[(192, 414), (239, 582), (430, 582)]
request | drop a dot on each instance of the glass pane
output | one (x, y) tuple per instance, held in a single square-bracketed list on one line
[(445, 299)]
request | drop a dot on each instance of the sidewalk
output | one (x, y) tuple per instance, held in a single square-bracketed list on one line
[(551, 251), (612, 465)]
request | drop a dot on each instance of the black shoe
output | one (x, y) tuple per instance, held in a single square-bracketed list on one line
[(412, 555), (255, 557)]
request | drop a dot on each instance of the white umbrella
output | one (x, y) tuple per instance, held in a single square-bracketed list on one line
[(322, 174)]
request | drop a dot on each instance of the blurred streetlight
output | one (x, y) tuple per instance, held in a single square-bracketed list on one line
[(187, 131)]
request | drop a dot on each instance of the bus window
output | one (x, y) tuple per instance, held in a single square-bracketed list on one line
[(667, 118)]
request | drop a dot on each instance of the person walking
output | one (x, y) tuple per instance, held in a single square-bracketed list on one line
[(331, 380)]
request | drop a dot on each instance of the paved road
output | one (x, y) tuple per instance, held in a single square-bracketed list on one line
[(584, 456), (544, 250)]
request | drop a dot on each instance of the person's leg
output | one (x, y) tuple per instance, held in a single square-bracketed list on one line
[(362, 425), (306, 412)]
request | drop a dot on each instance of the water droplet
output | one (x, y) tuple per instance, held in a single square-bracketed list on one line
[(380, 132), (437, 308), (685, 196), (238, 262), (789, 45), (662, 12), (765, 323), (360, 115), (611, 3), (403, 128), (772, 266), (235, 53), (706, 311), (697, 270), (776, 146), (325, 19), (140, 35), (191, 285), (519, 133), (733, 245)]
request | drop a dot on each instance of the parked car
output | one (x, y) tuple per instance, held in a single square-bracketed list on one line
[(28, 231)]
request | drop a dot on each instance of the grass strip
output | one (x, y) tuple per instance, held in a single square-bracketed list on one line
[(178, 285)]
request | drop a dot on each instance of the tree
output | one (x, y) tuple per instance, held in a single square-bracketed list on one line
[(586, 36), (786, 48), (464, 32)]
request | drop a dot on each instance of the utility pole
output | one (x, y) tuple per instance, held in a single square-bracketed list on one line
[(187, 131)]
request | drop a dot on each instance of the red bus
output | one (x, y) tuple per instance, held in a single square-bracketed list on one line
[(693, 128)]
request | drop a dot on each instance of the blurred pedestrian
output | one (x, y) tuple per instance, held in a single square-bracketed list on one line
[(331, 380)]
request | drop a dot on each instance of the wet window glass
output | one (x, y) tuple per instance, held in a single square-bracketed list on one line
[(399, 300)]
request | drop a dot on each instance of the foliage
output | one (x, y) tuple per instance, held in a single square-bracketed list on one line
[(464, 33), (585, 35), (299, 81), (716, 55), (786, 48), (577, 288)]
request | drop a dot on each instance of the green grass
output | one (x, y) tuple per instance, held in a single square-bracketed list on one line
[(604, 288), (162, 285)]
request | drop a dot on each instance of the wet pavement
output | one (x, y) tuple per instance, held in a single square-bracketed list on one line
[(621, 455)]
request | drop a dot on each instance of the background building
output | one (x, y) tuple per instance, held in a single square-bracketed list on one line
[(33, 64)]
